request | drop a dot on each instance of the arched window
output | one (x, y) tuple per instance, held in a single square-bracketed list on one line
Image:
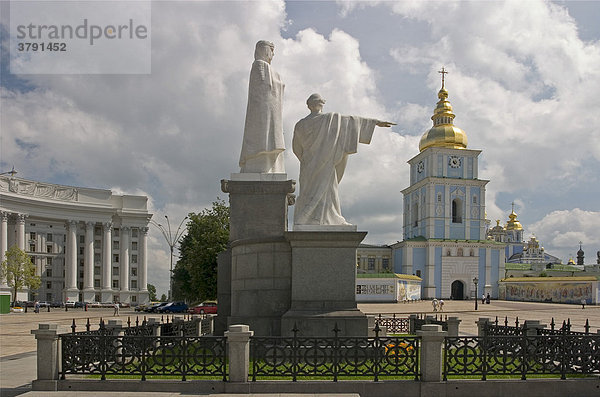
[(456, 211), (460, 252)]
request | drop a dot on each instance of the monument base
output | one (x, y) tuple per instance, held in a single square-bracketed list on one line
[(324, 284), (351, 322)]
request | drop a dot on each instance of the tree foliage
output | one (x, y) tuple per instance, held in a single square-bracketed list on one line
[(151, 292), (19, 271), (195, 274)]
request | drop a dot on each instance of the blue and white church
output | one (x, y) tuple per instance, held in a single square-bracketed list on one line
[(444, 225)]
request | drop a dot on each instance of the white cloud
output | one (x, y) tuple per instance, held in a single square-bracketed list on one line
[(563, 229)]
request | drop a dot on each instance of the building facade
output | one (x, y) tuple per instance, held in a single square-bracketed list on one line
[(88, 245), (445, 230)]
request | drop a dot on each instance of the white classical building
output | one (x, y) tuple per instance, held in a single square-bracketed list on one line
[(88, 245)]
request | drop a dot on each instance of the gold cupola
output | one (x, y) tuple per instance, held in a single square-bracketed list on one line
[(513, 223), (443, 133)]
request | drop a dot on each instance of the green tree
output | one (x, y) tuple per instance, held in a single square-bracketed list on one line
[(19, 271), (195, 274), (163, 298), (151, 292)]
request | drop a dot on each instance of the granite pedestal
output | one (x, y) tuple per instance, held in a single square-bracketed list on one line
[(255, 276), (323, 282)]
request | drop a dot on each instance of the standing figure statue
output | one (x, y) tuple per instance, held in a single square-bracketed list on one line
[(263, 145), (322, 143)]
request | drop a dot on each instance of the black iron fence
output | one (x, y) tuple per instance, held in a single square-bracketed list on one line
[(180, 356), (334, 357), (497, 328), (521, 355), (394, 325)]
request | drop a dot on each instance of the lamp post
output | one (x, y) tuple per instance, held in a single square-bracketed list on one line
[(172, 240), (475, 281)]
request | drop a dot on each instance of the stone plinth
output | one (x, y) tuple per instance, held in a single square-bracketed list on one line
[(258, 209), (259, 268), (324, 284)]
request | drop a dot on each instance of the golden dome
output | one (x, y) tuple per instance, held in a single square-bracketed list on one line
[(498, 228), (443, 133), (513, 223)]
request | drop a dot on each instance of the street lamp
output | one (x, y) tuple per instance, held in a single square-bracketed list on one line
[(172, 240), (475, 281)]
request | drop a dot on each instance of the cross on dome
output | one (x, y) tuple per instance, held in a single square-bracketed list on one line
[(443, 72)]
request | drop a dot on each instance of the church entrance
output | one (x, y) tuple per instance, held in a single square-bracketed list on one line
[(458, 290)]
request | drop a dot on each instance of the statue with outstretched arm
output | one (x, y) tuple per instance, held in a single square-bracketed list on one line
[(322, 143)]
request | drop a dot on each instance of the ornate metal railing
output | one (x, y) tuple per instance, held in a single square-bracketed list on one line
[(298, 357), (143, 356), (521, 355), (496, 328), (394, 325)]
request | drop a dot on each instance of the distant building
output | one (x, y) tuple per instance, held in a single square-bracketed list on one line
[(374, 259), (87, 244)]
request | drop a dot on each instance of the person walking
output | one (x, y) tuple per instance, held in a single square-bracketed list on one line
[(487, 299), (116, 306), (434, 303), (482, 299), (441, 305)]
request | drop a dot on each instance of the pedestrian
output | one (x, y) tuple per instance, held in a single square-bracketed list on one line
[(116, 306), (583, 303), (487, 299), (36, 307), (482, 299), (441, 305), (434, 303)]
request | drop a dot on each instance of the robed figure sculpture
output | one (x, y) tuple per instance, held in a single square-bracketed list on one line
[(263, 144), (322, 143)]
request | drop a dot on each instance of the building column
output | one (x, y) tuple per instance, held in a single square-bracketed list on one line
[(107, 262), (487, 288), (143, 261), (71, 291), (124, 271), (3, 243), (88, 264), (142, 268), (21, 231)]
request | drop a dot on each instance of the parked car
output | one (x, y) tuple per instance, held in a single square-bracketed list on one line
[(153, 308), (45, 304), (173, 307), (144, 306), (70, 304), (124, 304), (57, 304), (206, 307)]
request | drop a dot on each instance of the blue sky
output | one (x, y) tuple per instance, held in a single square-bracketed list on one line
[(523, 81)]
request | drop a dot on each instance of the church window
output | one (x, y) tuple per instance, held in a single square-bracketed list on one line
[(460, 252), (474, 199), (456, 211), (415, 215), (448, 253), (439, 197)]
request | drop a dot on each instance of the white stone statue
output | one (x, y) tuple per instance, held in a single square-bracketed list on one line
[(263, 145), (322, 143)]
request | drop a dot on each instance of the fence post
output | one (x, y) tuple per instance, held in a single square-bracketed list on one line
[(481, 323), (238, 339), (48, 354), (115, 328), (411, 324), (432, 342), (453, 326)]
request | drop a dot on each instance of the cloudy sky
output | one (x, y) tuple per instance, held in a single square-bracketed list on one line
[(523, 79)]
